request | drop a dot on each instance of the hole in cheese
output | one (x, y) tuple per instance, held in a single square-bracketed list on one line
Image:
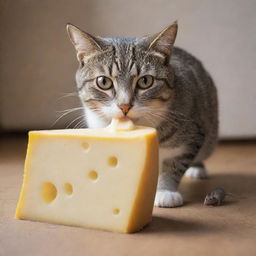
[(93, 175), (116, 211), (112, 161), (85, 146), (68, 188), (48, 192)]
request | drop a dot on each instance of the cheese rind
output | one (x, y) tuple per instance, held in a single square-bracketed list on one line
[(99, 179)]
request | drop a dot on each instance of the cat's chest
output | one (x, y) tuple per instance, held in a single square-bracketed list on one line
[(93, 120), (169, 153)]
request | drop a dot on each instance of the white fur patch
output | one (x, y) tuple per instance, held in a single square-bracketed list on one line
[(93, 120), (112, 111), (196, 172), (166, 198)]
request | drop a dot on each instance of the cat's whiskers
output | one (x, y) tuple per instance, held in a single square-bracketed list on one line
[(81, 116), (69, 94), (80, 124), (69, 110), (163, 117), (177, 115), (169, 111), (170, 120), (147, 114), (66, 112), (176, 125)]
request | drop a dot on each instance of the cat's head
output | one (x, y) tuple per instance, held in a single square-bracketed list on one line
[(124, 76)]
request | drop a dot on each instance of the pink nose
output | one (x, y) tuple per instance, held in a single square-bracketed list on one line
[(125, 108)]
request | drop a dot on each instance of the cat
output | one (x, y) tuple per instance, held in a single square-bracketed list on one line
[(154, 84)]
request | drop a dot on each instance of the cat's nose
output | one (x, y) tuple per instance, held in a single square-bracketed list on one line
[(125, 108)]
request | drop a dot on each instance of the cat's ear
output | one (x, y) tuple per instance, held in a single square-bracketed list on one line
[(163, 42), (85, 44)]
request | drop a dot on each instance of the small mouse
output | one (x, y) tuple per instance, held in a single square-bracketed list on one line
[(216, 197)]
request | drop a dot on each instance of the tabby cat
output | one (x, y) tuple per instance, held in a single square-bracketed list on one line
[(154, 84)]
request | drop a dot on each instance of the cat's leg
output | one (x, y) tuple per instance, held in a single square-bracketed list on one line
[(169, 179), (197, 171), (167, 194), (172, 170)]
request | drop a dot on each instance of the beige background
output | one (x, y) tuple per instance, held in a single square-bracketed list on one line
[(37, 61)]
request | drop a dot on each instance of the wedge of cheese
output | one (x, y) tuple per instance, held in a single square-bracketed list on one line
[(98, 178)]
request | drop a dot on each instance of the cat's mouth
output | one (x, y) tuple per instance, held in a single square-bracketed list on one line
[(124, 118)]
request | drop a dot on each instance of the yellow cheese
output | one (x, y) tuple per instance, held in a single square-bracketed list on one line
[(99, 178)]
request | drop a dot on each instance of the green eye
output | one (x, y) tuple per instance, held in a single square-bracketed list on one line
[(104, 82), (145, 82)]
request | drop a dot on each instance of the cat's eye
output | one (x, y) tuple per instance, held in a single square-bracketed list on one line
[(104, 82), (145, 82)]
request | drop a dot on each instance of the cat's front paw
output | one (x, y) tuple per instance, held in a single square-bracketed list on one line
[(196, 172), (166, 198)]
